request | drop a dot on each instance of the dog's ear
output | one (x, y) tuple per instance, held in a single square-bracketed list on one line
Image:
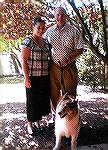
[(76, 100), (72, 98), (61, 99)]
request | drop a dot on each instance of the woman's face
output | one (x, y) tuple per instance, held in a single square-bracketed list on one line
[(39, 29)]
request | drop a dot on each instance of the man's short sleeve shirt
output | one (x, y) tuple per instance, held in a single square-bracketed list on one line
[(64, 41)]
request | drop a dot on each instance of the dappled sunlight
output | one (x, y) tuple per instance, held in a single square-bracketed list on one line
[(15, 129), (94, 127), (94, 122), (85, 94), (12, 93), (10, 116), (93, 112)]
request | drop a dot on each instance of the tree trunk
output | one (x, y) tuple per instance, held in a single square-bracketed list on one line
[(106, 77), (106, 64)]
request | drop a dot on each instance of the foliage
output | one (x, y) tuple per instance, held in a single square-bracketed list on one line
[(91, 70), (93, 21), (3, 44), (11, 47), (17, 18), (17, 22)]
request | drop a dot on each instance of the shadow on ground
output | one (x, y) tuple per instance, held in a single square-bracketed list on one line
[(94, 127)]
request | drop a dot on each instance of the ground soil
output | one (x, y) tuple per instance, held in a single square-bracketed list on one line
[(13, 130), (94, 127)]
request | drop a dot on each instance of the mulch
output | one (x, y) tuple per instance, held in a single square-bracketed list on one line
[(94, 127)]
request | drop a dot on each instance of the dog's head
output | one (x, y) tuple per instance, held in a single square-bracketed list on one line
[(67, 106)]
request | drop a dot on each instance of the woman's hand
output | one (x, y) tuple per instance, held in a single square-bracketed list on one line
[(27, 83)]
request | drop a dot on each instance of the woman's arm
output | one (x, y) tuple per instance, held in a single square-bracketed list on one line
[(25, 54)]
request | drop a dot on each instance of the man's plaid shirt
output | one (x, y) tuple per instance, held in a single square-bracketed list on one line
[(38, 62)]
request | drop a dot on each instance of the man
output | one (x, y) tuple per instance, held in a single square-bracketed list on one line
[(67, 45)]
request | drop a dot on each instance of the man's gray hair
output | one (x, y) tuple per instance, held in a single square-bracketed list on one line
[(61, 8)]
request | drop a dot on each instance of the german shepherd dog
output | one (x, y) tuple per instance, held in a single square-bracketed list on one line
[(67, 121)]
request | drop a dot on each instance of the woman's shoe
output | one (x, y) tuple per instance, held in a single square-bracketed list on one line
[(29, 130), (37, 124)]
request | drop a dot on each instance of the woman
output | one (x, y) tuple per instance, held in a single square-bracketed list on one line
[(35, 54)]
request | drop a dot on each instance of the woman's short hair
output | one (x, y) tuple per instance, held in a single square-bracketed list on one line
[(38, 19)]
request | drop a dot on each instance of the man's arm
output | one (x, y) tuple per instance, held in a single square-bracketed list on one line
[(75, 54)]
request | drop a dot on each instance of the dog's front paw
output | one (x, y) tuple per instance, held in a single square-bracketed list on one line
[(73, 148), (56, 148), (74, 145)]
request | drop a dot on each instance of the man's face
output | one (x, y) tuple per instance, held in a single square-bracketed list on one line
[(60, 16)]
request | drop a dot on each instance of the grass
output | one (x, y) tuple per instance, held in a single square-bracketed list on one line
[(11, 79)]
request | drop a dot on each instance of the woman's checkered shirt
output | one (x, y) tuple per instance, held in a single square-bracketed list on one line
[(38, 62)]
